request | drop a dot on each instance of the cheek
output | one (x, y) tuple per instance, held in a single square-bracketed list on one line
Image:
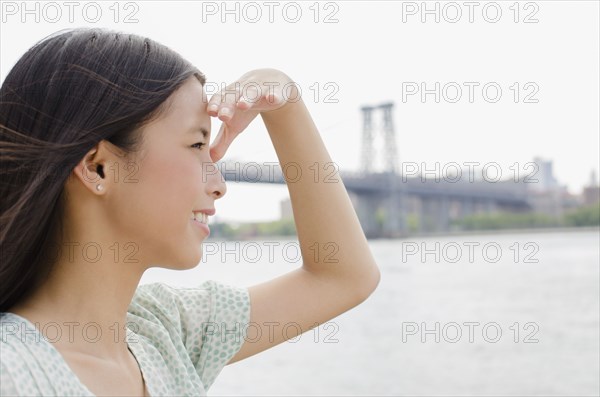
[(154, 212), (170, 185)]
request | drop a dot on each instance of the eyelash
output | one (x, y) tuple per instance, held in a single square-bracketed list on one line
[(202, 144)]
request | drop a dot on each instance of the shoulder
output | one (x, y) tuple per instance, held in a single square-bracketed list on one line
[(161, 302), (23, 351), (204, 311), (7, 385), (179, 309), (204, 325)]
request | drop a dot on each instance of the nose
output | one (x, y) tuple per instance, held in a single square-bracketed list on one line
[(216, 183)]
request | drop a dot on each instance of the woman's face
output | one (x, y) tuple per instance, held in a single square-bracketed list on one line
[(175, 176)]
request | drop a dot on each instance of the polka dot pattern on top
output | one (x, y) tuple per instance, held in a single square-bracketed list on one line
[(182, 338)]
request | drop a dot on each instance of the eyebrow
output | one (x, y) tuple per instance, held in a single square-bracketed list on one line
[(201, 129)]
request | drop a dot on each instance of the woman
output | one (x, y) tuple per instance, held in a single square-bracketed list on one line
[(106, 171)]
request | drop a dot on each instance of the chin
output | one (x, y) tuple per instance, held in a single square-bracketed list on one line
[(185, 263), (194, 264), (184, 266), (193, 261)]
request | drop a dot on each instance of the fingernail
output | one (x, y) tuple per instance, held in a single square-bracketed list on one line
[(213, 108), (225, 112)]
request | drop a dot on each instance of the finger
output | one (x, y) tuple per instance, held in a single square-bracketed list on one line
[(221, 143), (218, 106), (215, 147), (226, 113), (212, 108), (244, 103), (274, 99), (228, 96), (250, 97)]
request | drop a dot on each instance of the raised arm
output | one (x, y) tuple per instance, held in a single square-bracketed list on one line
[(338, 270), (323, 212)]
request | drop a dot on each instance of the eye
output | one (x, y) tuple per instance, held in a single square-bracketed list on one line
[(200, 144)]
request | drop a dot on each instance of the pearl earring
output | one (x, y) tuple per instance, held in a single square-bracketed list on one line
[(99, 187)]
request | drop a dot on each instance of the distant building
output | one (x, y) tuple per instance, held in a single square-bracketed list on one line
[(546, 196), (285, 206), (544, 175), (591, 193)]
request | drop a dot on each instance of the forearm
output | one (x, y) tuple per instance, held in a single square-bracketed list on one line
[(331, 239)]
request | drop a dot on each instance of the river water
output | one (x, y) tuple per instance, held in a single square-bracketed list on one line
[(499, 314)]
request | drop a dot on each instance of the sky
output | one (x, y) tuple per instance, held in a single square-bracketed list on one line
[(486, 82)]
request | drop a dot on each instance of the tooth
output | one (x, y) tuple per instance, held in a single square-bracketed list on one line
[(200, 217)]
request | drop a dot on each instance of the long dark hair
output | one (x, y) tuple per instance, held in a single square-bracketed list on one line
[(67, 93)]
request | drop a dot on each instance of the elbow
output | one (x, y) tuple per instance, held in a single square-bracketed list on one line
[(370, 283)]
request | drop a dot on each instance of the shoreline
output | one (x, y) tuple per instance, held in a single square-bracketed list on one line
[(503, 231), (445, 234)]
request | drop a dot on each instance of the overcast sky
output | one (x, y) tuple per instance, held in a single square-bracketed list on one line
[(543, 56)]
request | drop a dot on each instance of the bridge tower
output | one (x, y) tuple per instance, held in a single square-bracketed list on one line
[(367, 145), (382, 215), (391, 154), (388, 132)]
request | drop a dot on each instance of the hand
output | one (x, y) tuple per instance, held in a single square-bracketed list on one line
[(257, 91)]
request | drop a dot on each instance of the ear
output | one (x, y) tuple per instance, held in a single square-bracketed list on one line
[(93, 170)]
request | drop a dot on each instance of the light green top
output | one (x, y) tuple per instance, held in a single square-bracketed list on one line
[(181, 337)]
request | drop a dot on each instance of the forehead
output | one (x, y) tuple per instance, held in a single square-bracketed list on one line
[(186, 107)]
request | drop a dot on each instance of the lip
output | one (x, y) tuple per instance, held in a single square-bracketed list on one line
[(207, 211), (201, 226)]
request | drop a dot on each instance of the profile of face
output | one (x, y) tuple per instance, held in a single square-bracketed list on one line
[(173, 176)]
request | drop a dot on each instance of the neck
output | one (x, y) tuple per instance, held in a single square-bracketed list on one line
[(86, 296)]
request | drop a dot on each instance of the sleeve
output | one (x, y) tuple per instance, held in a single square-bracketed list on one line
[(7, 386), (209, 322)]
